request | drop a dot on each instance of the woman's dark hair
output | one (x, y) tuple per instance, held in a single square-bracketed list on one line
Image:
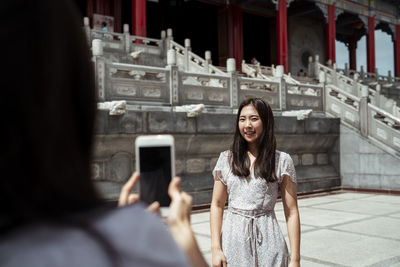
[(48, 95), (264, 165)]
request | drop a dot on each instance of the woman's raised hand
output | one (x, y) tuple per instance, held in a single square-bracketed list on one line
[(128, 198), (179, 223), (181, 205)]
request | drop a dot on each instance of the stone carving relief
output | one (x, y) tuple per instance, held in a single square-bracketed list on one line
[(121, 166), (195, 95), (152, 92), (125, 90)]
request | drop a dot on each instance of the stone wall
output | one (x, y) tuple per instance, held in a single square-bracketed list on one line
[(305, 38), (365, 165), (312, 143)]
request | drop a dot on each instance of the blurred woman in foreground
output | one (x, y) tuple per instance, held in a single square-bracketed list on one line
[(50, 212)]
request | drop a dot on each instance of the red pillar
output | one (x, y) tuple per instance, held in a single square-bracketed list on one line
[(235, 34), (90, 11), (281, 39), (117, 15), (100, 7), (397, 52), (139, 17), (331, 35), (371, 45), (352, 52)]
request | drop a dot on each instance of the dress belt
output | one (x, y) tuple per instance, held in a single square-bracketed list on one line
[(253, 229)]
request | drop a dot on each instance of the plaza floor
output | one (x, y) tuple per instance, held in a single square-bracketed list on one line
[(337, 229)]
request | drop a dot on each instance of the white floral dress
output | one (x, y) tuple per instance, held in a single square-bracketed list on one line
[(250, 234)]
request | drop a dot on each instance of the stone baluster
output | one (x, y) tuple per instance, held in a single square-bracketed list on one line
[(169, 39), (207, 56), (355, 84), (127, 38), (86, 28), (316, 63), (174, 77), (363, 110), (322, 82), (346, 69), (390, 78), (234, 88), (99, 63), (187, 54), (279, 73), (322, 77), (334, 74), (310, 67), (378, 96), (163, 35), (362, 73)]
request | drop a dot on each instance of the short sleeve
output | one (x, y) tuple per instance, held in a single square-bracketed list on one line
[(287, 168), (220, 172)]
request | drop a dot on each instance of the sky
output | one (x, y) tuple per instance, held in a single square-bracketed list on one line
[(384, 54)]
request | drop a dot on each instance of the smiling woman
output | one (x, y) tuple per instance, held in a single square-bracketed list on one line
[(250, 125), (251, 174)]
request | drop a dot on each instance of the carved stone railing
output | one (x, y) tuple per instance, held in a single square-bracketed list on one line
[(266, 89), (137, 84), (304, 96), (343, 105), (124, 42), (373, 122), (207, 89), (384, 127), (188, 61), (348, 99), (355, 87), (367, 77), (170, 86)]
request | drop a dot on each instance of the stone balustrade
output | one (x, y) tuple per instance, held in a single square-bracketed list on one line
[(124, 42), (189, 61), (343, 105), (269, 90), (304, 96), (390, 85), (373, 122), (383, 127), (170, 86)]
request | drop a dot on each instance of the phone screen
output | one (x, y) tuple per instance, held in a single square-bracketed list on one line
[(155, 174)]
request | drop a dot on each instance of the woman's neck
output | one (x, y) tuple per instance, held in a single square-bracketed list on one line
[(253, 150)]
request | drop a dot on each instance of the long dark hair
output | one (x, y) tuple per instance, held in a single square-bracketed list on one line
[(264, 165), (48, 95)]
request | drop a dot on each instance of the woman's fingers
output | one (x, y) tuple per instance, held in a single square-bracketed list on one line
[(132, 198), (126, 190), (181, 202), (154, 207), (173, 188)]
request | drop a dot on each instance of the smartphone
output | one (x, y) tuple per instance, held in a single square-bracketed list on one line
[(155, 161)]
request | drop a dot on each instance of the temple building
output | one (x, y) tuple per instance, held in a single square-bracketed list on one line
[(276, 32), (183, 67)]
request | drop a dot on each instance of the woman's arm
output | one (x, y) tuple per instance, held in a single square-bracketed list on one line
[(179, 223), (289, 199), (178, 217), (216, 215)]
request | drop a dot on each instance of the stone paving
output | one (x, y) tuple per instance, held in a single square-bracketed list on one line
[(337, 229)]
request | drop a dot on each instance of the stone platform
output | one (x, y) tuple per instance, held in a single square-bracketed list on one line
[(313, 144), (337, 229)]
